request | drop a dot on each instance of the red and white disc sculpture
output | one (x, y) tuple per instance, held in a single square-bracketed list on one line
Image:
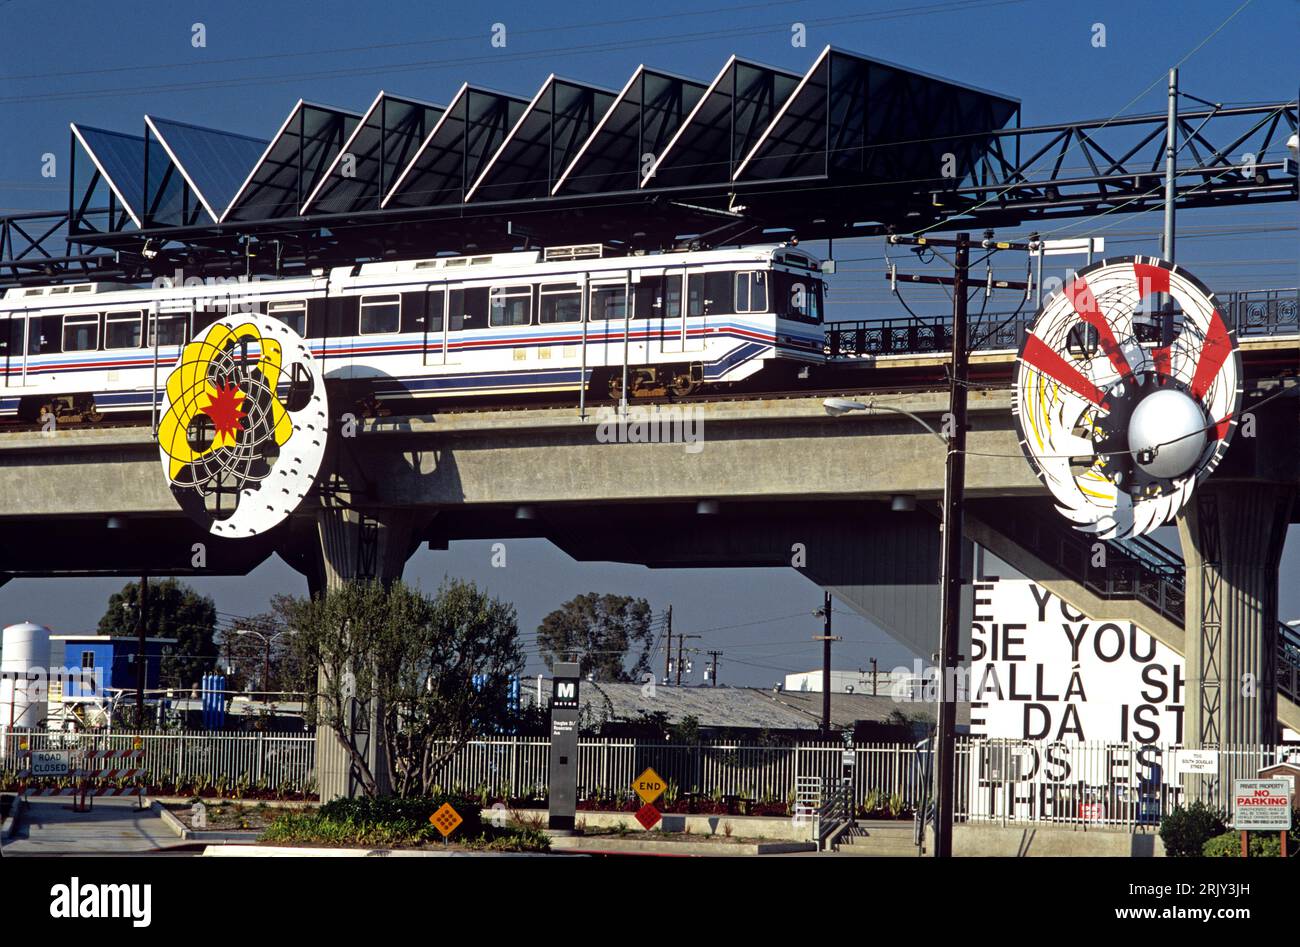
[(1122, 429)]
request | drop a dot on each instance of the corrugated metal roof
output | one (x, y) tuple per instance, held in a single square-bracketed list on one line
[(738, 707)]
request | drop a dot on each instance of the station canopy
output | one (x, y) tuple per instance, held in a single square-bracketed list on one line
[(756, 151)]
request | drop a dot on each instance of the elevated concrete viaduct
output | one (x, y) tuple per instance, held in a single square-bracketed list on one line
[(792, 487)]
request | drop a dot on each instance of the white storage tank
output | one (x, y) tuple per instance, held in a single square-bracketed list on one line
[(24, 647)]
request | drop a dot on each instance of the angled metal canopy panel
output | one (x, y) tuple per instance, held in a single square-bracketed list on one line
[(865, 120), (456, 151), (185, 161), (545, 139), (733, 113), (376, 152), (119, 159), (306, 144), (641, 122)]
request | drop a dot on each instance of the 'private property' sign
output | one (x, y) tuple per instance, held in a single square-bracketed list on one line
[(1261, 804)]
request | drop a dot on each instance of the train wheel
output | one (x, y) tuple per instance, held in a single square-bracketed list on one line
[(615, 387), (683, 386)]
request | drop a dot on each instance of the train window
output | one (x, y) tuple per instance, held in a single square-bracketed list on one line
[(122, 330), (11, 340), (380, 314), (170, 328), (751, 292), (510, 306), (436, 303), (44, 334), (291, 313), (467, 309), (561, 302), (709, 293), (80, 333), (609, 302), (648, 299)]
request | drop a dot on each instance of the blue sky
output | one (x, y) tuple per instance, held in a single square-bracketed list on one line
[(107, 65)]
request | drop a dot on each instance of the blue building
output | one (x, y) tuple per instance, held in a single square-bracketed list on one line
[(114, 657)]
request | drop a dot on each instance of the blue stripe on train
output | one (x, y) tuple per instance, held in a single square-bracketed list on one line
[(483, 381)]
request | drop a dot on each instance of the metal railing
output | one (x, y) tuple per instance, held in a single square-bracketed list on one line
[(280, 761), (1251, 313)]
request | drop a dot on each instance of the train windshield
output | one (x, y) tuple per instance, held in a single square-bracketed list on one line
[(798, 297)]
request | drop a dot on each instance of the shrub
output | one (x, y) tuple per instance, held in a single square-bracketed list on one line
[(1228, 845), (1186, 830)]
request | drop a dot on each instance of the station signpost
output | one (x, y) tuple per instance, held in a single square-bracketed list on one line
[(563, 798)]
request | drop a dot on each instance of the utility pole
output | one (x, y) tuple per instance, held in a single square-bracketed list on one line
[(713, 667), (1171, 173), (873, 677), (681, 639), (668, 647), (141, 624), (953, 496), (950, 577), (826, 638)]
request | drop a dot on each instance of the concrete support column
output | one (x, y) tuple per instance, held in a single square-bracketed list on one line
[(1232, 536), (357, 545), (362, 544)]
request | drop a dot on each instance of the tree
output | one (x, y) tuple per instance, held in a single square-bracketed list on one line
[(434, 670), (244, 656), (175, 611), (601, 629)]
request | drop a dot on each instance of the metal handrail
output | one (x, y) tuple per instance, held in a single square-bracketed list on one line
[(1250, 312)]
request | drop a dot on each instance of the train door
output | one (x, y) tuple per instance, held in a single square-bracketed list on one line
[(14, 337), (453, 324), (636, 326), (435, 328), (669, 318), (704, 302)]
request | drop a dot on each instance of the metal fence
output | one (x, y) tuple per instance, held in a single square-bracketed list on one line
[(279, 761), (1116, 784), (517, 767)]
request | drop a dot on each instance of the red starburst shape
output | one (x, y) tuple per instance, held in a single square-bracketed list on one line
[(648, 816), (226, 409)]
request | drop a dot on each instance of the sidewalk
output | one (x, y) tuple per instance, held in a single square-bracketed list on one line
[(113, 827)]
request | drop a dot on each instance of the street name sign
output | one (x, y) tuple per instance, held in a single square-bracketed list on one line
[(1197, 761)]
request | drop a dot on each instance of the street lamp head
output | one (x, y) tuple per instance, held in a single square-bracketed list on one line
[(837, 406)]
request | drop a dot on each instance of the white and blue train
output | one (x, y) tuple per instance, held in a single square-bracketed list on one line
[(458, 326)]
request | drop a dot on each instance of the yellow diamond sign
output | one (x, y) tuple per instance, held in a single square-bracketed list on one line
[(649, 786), (446, 819)]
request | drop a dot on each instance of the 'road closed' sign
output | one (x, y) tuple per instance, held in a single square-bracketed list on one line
[(1262, 804), (51, 762)]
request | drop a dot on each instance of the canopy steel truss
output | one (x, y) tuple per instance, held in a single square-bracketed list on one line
[(853, 147)]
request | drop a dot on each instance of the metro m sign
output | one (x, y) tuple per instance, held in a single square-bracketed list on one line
[(564, 694)]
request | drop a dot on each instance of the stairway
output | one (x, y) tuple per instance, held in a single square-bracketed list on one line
[(1142, 581), (879, 840)]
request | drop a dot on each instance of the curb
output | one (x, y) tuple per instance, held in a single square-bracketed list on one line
[(649, 846), (170, 820), (287, 851)]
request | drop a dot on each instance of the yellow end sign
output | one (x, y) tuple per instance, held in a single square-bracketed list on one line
[(446, 819), (649, 786)]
